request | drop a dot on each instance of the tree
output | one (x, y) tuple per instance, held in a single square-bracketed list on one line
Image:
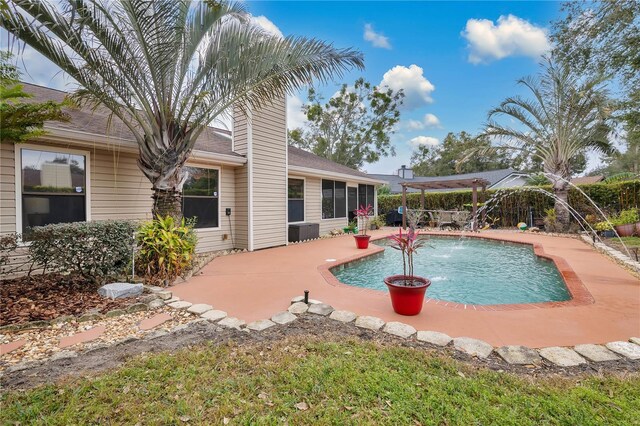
[(443, 160), (21, 121), (168, 68), (565, 117), (353, 127), (604, 38)]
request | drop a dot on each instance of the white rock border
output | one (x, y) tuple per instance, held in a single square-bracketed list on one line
[(376, 325)]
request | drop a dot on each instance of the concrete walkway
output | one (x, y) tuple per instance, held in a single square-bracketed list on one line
[(256, 285)]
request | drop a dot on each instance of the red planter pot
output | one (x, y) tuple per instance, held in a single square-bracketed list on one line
[(625, 230), (407, 300), (638, 229), (362, 241)]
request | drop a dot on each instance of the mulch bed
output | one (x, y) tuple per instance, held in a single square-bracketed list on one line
[(45, 297)]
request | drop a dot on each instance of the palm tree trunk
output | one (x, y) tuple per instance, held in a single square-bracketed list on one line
[(167, 202), (560, 179)]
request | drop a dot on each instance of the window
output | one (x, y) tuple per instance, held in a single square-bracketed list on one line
[(334, 199), (200, 197), (53, 187), (296, 200), (366, 195)]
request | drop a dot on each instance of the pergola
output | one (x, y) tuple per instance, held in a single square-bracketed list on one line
[(473, 183)]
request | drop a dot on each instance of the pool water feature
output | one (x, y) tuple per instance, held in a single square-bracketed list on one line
[(472, 271)]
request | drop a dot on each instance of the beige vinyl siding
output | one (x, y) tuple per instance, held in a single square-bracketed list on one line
[(119, 190), (269, 158), (241, 212), (7, 189)]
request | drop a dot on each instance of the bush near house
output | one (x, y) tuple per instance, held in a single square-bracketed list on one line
[(514, 205), (97, 250)]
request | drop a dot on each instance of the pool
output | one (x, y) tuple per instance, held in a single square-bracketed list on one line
[(466, 270)]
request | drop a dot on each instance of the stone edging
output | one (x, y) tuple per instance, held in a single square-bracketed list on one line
[(580, 295), (514, 355)]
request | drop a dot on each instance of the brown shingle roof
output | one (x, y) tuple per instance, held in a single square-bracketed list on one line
[(212, 140), (586, 180), (301, 158), (97, 122)]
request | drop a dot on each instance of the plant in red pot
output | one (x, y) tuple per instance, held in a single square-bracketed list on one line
[(363, 214), (407, 291)]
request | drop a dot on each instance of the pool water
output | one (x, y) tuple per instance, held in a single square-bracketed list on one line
[(467, 270)]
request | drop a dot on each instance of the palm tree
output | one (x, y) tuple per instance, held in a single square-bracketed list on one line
[(566, 116), (168, 68)]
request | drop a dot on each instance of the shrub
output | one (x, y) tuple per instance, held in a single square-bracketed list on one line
[(96, 250), (625, 217), (165, 250), (8, 244)]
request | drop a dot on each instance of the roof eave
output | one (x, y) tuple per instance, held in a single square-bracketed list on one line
[(307, 171)]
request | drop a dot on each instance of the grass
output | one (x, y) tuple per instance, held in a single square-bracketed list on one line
[(341, 382)]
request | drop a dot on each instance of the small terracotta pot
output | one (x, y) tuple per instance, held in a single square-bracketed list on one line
[(625, 230), (362, 241), (407, 300)]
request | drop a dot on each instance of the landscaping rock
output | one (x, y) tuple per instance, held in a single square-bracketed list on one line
[(635, 340), (399, 329), (89, 317), (153, 288), (520, 355), (283, 318), (173, 299), (63, 319), (343, 316), (627, 349), (232, 322), (137, 307), (563, 357), (434, 337), (298, 308), (320, 309), (473, 347), (301, 299), (260, 325), (148, 298), (370, 323), (164, 295), (19, 367), (115, 313), (180, 305), (214, 315), (156, 304), (199, 308), (63, 355), (596, 353), (120, 290)]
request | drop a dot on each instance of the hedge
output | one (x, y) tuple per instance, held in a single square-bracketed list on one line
[(97, 250), (512, 205)]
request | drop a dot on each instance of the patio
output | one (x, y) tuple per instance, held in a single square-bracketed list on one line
[(254, 285)]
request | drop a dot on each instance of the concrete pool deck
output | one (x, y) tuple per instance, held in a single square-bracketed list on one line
[(255, 285)]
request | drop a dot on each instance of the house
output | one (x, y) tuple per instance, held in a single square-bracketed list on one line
[(504, 178), (587, 180), (245, 186)]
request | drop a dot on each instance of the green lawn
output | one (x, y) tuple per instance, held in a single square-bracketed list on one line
[(342, 383)]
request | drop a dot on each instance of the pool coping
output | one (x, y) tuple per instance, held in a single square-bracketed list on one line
[(580, 295)]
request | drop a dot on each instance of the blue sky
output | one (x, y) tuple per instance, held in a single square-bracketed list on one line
[(454, 60), (471, 68)]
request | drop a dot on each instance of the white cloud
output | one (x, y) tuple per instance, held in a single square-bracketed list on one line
[(417, 89), (511, 36), (295, 117), (424, 140), (376, 39), (428, 121), (264, 23)]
